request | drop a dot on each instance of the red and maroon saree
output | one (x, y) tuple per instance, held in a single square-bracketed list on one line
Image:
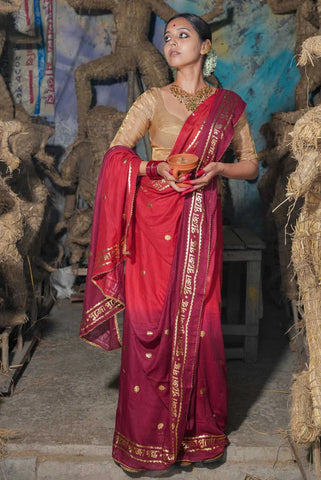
[(173, 389)]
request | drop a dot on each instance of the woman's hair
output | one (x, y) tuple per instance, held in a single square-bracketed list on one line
[(201, 27)]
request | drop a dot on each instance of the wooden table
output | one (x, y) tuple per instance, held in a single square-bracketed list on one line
[(241, 292)]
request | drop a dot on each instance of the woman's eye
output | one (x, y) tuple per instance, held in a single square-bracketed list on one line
[(167, 38), (183, 35)]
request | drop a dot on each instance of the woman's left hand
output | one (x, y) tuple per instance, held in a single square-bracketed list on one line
[(204, 176)]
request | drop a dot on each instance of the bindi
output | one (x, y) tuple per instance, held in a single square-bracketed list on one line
[(174, 25)]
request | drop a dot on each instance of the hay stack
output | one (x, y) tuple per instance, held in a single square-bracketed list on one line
[(13, 288), (306, 248), (23, 200), (303, 430), (272, 188), (311, 51)]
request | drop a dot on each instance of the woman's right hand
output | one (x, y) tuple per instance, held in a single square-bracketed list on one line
[(164, 170)]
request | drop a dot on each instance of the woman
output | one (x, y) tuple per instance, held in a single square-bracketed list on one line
[(173, 392)]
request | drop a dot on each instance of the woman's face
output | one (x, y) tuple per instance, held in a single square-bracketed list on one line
[(183, 45)]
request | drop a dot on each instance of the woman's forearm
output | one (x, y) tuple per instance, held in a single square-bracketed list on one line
[(244, 170), (142, 168)]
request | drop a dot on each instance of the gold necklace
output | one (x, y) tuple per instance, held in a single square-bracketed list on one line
[(191, 100)]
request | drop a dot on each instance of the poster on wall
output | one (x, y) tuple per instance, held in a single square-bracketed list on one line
[(32, 80)]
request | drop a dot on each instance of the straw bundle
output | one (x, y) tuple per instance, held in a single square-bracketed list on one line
[(6, 104), (301, 180), (133, 50), (11, 224), (280, 215), (33, 213), (272, 187), (312, 299), (78, 235), (303, 429), (102, 125), (79, 174), (23, 198), (306, 247), (9, 6), (306, 134), (7, 129), (11, 262), (25, 142), (311, 51)]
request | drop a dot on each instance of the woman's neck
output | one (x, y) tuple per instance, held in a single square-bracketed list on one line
[(189, 80)]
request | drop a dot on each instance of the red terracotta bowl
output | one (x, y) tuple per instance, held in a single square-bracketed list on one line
[(181, 164)]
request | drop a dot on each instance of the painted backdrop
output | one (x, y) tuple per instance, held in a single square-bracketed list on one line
[(255, 59)]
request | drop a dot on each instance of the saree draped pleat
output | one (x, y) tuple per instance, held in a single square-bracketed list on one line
[(173, 389)]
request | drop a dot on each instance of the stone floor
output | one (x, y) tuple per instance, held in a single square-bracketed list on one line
[(63, 409)]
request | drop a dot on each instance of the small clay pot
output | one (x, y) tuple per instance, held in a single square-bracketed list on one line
[(181, 164)]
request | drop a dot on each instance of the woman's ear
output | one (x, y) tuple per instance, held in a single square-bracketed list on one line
[(206, 47)]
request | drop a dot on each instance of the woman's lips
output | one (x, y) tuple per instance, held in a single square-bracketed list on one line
[(174, 53)]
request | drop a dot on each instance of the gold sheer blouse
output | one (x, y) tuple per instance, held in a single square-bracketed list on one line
[(149, 114)]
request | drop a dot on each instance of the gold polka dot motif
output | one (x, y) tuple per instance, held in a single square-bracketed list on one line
[(160, 426), (143, 272), (202, 333), (149, 333), (136, 389), (168, 237), (148, 355), (161, 388)]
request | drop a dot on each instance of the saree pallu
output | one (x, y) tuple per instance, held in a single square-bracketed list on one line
[(173, 389)]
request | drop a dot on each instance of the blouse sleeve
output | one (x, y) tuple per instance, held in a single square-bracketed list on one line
[(242, 142), (137, 121)]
